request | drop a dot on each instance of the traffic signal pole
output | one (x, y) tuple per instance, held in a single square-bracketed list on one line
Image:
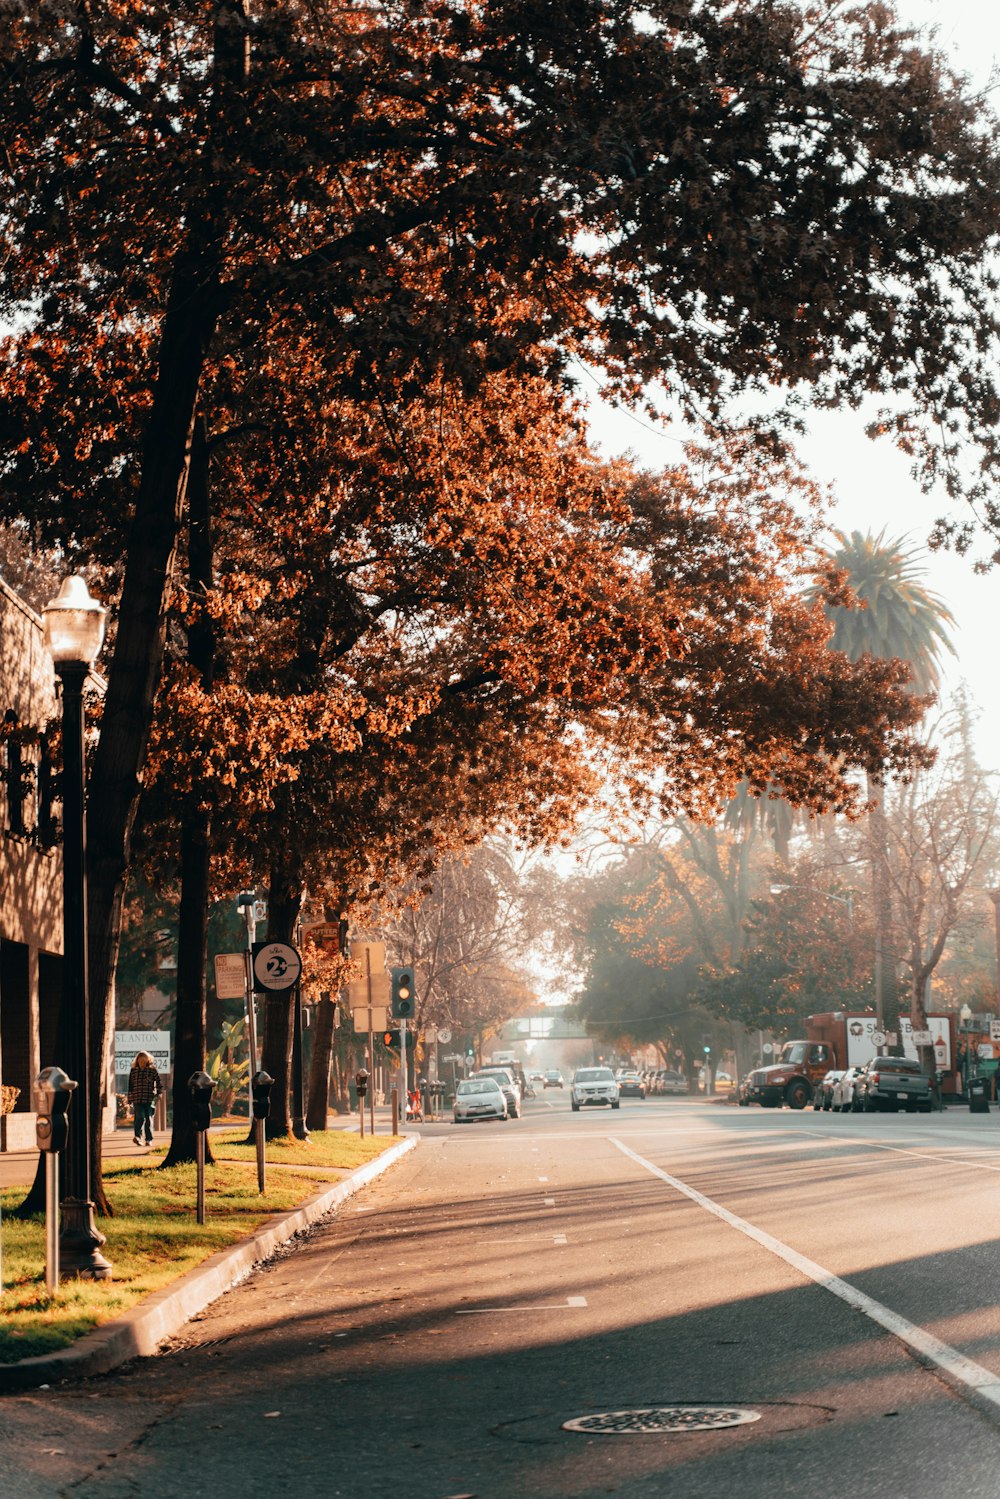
[(405, 1091)]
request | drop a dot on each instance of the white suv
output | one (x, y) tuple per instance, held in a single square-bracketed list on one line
[(593, 1085)]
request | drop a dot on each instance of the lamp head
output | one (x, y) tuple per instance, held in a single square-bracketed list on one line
[(74, 623)]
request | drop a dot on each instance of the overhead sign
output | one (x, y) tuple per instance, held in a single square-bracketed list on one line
[(128, 1045), (371, 1018), (230, 975), (276, 966)]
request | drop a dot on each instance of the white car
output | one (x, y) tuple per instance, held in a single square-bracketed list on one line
[(479, 1098), (509, 1085), (842, 1092), (593, 1085)]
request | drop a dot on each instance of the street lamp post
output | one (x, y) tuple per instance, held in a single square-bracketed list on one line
[(74, 632), (965, 1020)]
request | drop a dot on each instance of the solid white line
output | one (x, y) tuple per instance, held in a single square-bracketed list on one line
[(960, 1369), (921, 1155), (549, 1202)]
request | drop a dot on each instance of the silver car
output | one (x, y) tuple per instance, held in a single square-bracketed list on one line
[(593, 1085), (479, 1098)]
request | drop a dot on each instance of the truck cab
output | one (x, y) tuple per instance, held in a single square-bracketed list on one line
[(792, 1079)]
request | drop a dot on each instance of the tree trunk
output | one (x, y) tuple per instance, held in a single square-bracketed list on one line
[(194, 304), (196, 834), (319, 1070)]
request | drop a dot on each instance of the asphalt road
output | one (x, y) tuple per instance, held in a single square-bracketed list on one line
[(836, 1276)]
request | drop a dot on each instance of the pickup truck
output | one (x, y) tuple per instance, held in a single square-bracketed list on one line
[(893, 1083)]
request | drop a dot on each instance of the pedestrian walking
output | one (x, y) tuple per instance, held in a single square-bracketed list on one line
[(143, 1089)]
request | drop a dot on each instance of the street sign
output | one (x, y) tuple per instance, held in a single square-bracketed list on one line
[(230, 975), (922, 1038), (444, 1035), (878, 1037), (995, 1030), (431, 1034), (374, 1018), (359, 992), (371, 956), (325, 934), (276, 966), (128, 1044)]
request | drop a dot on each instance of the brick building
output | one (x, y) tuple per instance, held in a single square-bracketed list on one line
[(30, 864)]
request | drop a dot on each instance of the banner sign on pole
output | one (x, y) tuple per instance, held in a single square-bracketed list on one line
[(128, 1045)]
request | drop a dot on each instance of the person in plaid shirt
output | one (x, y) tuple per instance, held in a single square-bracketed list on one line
[(143, 1088)]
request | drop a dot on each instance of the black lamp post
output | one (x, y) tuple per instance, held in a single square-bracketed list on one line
[(74, 632)]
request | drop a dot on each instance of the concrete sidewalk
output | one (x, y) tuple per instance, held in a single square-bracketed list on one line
[(141, 1331)]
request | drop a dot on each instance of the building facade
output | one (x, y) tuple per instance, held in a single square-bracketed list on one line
[(30, 864)]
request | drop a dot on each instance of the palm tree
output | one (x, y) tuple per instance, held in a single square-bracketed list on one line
[(899, 618)]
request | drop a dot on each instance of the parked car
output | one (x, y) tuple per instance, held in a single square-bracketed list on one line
[(479, 1098), (509, 1084), (672, 1082), (594, 1085), (823, 1094), (630, 1085), (893, 1083), (842, 1096), (553, 1078)]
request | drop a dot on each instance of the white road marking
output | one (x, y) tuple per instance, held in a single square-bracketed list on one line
[(954, 1365), (549, 1202), (559, 1239), (555, 1306), (543, 1178), (921, 1155)]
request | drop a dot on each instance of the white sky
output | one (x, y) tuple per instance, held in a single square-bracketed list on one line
[(871, 481)]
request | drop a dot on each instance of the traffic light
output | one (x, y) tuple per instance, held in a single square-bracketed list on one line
[(706, 1045), (402, 994), (390, 1040)]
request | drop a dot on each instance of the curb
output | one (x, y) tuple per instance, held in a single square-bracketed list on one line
[(141, 1331)]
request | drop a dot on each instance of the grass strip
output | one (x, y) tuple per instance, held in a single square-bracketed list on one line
[(153, 1238)]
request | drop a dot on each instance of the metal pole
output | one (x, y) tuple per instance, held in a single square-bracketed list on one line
[(200, 1158), (405, 1090), (251, 1011), (298, 1111), (51, 1221), (81, 1239), (395, 1111), (361, 1111), (259, 1142), (371, 1071)]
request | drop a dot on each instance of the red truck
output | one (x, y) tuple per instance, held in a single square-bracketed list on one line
[(840, 1039)]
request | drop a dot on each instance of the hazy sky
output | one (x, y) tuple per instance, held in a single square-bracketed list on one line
[(871, 480)]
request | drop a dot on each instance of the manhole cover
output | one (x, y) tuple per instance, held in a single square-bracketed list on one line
[(661, 1418)]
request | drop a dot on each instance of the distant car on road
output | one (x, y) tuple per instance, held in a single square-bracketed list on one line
[(553, 1078), (823, 1095), (842, 1094), (509, 1086), (893, 1083), (671, 1081), (592, 1086), (630, 1085), (479, 1098)]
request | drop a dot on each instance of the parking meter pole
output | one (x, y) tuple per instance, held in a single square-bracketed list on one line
[(261, 1160), (51, 1221), (53, 1093), (200, 1158)]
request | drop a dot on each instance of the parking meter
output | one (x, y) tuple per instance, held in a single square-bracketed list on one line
[(261, 1084), (361, 1082), (54, 1090), (200, 1086)]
